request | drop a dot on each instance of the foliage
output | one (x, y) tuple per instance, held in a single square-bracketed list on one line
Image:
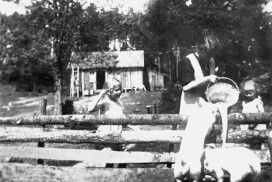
[(21, 55), (53, 29), (124, 27), (39, 44), (43, 39), (242, 27), (170, 99), (91, 35)]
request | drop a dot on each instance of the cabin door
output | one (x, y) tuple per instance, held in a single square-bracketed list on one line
[(100, 79)]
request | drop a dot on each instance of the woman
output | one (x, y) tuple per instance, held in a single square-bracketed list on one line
[(196, 72)]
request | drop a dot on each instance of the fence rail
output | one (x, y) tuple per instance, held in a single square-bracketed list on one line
[(17, 135), (51, 135), (131, 119)]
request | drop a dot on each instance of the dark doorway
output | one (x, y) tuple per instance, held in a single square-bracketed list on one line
[(100, 79)]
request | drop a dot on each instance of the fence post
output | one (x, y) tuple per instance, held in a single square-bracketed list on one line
[(149, 109), (156, 108), (269, 142), (42, 107), (172, 146), (42, 111), (174, 127)]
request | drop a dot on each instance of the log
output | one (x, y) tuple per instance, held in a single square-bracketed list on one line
[(28, 173), (248, 136), (133, 119), (250, 118), (24, 134)]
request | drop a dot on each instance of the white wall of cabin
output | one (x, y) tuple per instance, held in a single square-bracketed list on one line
[(128, 78)]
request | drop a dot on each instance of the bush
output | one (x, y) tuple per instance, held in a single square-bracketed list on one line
[(170, 100)]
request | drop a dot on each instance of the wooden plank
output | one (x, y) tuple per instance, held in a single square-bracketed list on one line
[(28, 173), (24, 134), (92, 156)]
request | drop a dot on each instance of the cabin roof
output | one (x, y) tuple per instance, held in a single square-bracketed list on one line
[(100, 60)]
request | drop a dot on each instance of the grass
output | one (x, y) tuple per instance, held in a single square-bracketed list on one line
[(136, 102), (14, 103)]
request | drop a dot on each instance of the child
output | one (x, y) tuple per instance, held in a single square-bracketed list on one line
[(252, 103), (108, 103)]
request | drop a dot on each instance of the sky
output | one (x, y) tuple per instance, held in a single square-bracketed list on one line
[(9, 8), (268, 7)]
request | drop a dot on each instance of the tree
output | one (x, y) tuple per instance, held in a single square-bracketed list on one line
[(52, 29), (22, 57), (91, 31), (123, 26), (56, 21), (241, 26)]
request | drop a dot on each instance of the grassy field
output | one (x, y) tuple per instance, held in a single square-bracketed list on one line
[(14, 103)]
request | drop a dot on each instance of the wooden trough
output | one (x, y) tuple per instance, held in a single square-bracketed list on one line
[(59, 141)]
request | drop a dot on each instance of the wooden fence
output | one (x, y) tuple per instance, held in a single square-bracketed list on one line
[(60, 145)]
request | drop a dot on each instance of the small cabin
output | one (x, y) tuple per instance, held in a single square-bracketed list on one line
[(89, 71)]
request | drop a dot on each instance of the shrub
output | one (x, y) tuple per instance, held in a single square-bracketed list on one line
[(170, 99)]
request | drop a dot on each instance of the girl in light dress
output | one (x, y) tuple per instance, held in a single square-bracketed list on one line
[(252, 103), (108, 103)]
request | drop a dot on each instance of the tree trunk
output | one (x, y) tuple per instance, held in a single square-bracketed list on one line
[(58, 70), (58, 98)]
